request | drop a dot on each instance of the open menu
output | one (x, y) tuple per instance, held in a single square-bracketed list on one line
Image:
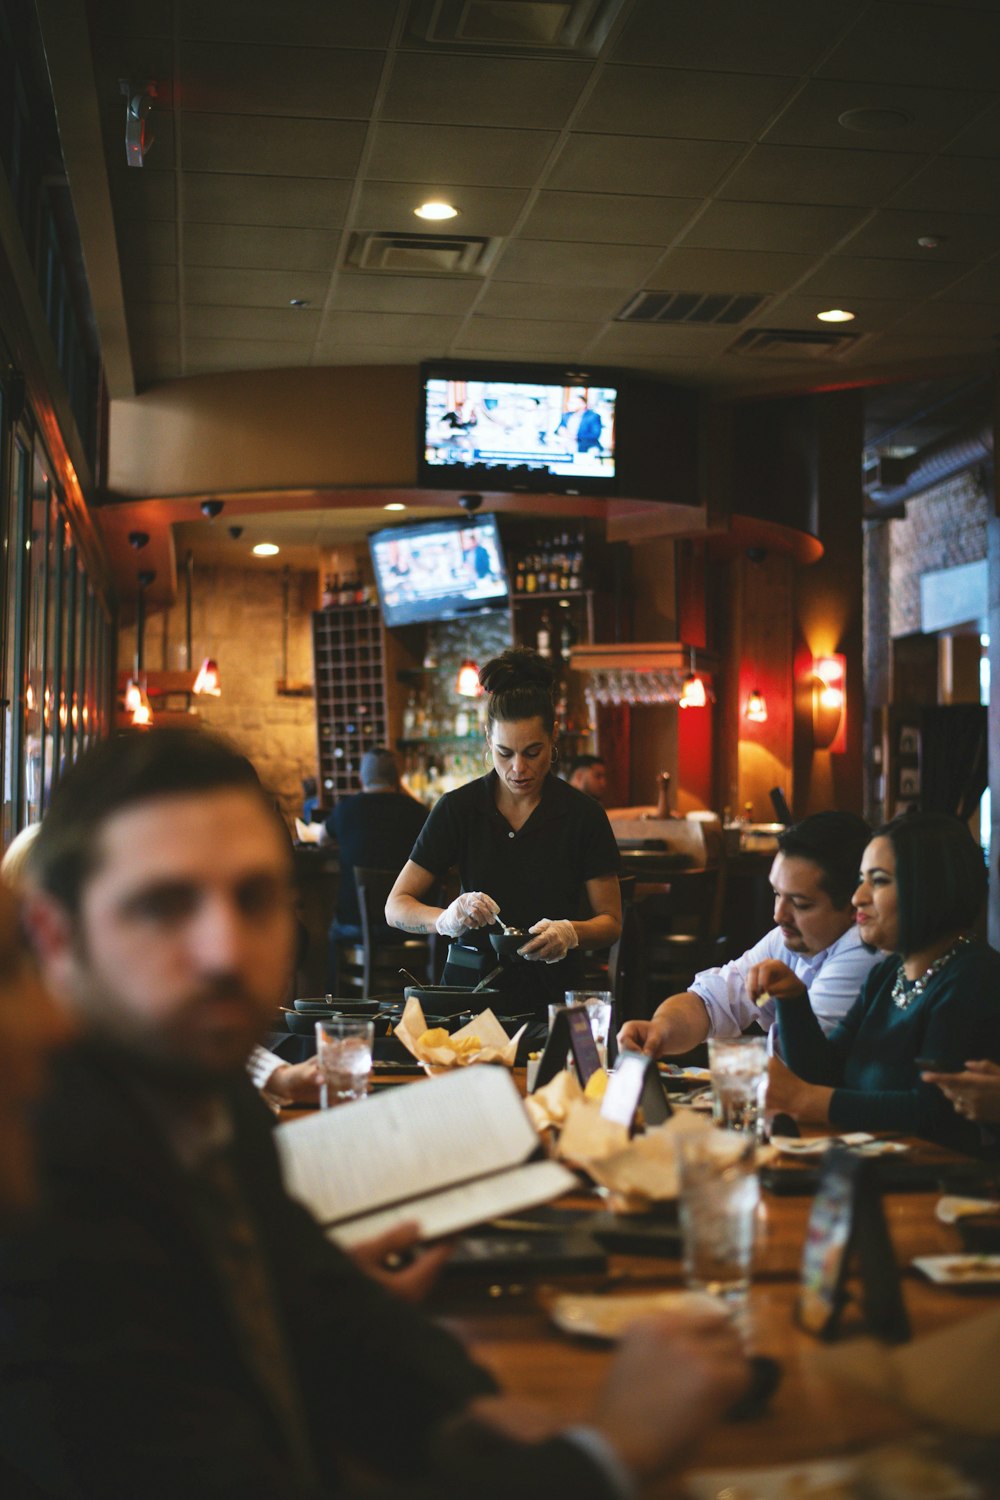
[(449, 1153)]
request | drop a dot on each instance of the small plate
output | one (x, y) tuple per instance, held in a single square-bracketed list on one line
[(960, 1270), (884, 1148), (608, 1317), (823, 1479), (951, 1208), (791, 1145)]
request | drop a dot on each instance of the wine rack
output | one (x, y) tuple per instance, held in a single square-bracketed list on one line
[(351, 710)]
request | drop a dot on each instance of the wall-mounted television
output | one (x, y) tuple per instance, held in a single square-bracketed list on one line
[(502, 427), (439, 570)]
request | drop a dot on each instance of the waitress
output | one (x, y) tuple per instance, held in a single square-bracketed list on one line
[(528, 847)]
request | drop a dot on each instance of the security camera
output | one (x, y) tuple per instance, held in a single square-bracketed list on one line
[(236, 532), (212, 508), (470, 503), (138, 539)]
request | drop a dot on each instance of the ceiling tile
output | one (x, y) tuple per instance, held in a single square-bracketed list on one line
[(438, 89), (953, 183), (380, 292), (232, 78), (292, 23), (458, 154), (146, 195), (203, 356), (153, 244), (799, 311), (667, 101), (771, 226), (286, 324), (769, 36), (148, 282), (233, 287), (608, 218), (643, 164), (813, 116), (377, 354), (982, 285), (851, 276), (228, 198), (701, 270), (153, 320), (962, 320), (567, 263), (572, 303), (941, 46), (283, 249), (625, 339), (981, 139), (389, 206), (410, 331), (889, 232), (797, 174), (564, 340), (270, 146)]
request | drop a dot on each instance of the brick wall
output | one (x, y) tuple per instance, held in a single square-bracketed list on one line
[(237, 619), (942, 528)]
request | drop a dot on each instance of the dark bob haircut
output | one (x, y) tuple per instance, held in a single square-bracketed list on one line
[(940, 877), (520, 686), (120, 772), (835, 841)]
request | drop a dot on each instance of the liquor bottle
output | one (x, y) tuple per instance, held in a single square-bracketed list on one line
[(543, 640), (519, 577), (531, 579), (410, 718), (663, 795), (567, 636), (326, 602)]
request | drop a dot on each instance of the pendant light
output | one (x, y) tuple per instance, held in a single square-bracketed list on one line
[(467, 682)]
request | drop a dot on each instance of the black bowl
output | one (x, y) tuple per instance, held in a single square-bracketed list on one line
[(506, 944), (450, 999)]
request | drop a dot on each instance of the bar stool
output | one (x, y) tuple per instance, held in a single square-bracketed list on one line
[(384, 950)]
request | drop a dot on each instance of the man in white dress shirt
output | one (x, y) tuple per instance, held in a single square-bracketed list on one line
[(813, 878)]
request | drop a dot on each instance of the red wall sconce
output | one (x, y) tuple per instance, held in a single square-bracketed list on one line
[(830, 703), (756, 707)]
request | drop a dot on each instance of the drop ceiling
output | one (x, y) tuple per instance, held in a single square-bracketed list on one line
[(703, 146)]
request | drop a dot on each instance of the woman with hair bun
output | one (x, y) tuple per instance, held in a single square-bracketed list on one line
[(527, 846)]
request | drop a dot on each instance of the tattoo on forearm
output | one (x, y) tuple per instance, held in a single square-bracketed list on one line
[(420, 927)]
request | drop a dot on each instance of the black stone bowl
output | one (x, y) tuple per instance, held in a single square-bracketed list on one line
[(506, 944)]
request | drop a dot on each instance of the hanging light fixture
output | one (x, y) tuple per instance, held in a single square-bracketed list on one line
[(142, 714), (693, 693), (208, 679), (467, 681), (756, 709), (133, 696)]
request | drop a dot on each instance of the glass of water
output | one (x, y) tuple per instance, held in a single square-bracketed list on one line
[(719, 1193), (344, 1053), (739, 1081), (598, 1003)]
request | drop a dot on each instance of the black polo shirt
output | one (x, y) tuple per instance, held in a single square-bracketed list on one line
[(373, 829), (539, 871)]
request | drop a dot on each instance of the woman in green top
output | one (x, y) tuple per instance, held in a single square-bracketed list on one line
[(921, 887)]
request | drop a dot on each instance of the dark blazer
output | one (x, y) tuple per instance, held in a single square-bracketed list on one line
[(120, 1368)]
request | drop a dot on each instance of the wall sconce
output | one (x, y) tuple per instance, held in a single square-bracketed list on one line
[(208, 680), (756, 707), (467, 681), (830, 703), (693, 693)]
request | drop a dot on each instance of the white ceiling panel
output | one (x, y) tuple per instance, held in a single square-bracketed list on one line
[(389, 206), (701, 270), (652, 165), (562, 340), (570, 303), (292, 23), (768, 36), (668, 101), (610, 218), (429, 89), (896, 235), (268, 145), (786, 227), (296, 202), (367, 292), (956, 184), (236, 79), (234, 287), (800, 174), (942, 46), (242, 245), (292, 325), (411, 331), (929, 118), (847, 276), (596, 265), (459, 154)]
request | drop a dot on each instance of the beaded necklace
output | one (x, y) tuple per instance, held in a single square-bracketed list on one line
[(905, 991)]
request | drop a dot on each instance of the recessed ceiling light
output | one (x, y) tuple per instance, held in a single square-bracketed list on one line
[(874, 121), (266, 549), (395, 505), (436, 209), (836, 315)]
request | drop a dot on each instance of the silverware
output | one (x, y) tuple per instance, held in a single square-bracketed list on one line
[(407, 975), (490, 976)]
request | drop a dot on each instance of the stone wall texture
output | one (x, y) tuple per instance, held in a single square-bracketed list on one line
[(942, 529), (237, 618)]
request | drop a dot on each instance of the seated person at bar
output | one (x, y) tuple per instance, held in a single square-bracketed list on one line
[(174, 1324), (974, 1091), (921, 888), (526, 844), (589, 774), (815, 934), (375, 828)]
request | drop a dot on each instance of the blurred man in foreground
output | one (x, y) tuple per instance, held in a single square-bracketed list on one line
[(173, 1322)]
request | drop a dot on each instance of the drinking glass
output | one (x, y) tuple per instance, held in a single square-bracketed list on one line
[(344, 1053), (739, 1080), (598, 1003), (719, 1193)]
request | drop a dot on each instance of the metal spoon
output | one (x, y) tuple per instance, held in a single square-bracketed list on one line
[(415, 982), (501, 923), (484, 982)]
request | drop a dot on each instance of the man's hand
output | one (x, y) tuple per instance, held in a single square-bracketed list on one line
[(650, 1037), (975, 1093), (788, 1094), (674, 1377), (294, 1083), (772, 977), (394, 1260)]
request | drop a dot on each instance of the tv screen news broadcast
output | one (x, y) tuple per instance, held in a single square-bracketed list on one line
[(536, 432), (439, 569)]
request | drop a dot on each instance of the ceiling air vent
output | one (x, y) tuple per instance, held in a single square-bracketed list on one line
[(422, 254), (689, 307), (793, 343), (570, 27)]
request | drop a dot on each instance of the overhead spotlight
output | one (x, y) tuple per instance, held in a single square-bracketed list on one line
[(836, 315), (139, 105), (212, 508), (236, 532), (470, 503), (436, 209), (138, 539)]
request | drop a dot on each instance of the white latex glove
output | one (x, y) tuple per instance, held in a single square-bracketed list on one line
[(552, 941), (471, 909)]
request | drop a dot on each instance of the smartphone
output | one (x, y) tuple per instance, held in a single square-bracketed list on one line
[(939, 1065)]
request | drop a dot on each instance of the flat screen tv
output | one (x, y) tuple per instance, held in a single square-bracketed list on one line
[(542, 429), (439, 570)]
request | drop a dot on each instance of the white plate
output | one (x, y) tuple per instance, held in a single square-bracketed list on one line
[(951, 1208), (960, 1270), (790, 1145), (884, 1148), (607, 1317), (825, 1479)]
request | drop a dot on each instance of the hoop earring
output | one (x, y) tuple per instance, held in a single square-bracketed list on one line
[(555, 755), (487, 757)]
